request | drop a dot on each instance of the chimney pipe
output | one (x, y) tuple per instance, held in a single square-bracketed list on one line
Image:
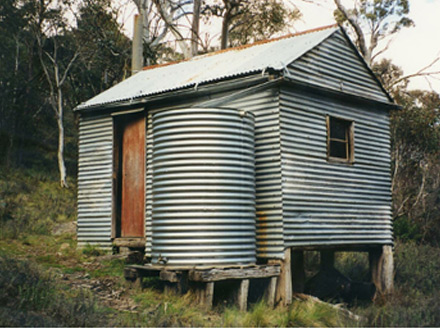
[(137, 60)]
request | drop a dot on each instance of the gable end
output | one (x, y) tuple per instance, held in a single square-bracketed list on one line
[(335, 64)]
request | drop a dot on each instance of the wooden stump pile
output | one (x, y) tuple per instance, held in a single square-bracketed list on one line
[(201, 280)]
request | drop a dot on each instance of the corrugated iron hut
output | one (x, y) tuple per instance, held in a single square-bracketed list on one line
[(243, 154)]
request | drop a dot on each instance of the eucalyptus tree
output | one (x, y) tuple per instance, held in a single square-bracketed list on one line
[(372, 21), (21, 101), (57, 53), (245, 21)]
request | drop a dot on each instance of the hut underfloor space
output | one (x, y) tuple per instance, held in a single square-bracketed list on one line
[(230, 282)]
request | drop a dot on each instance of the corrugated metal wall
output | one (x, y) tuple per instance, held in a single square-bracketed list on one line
[(265, 106), (335, 65), (203, 187), (326, 203), (321, 203), (95, 180), (149, 187)]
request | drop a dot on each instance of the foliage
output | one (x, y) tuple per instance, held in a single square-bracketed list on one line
[(105, 51), (91, 41), (29, 297), (92, 250), (246, 21), (415, 142), (301, 313), (377, 19), (416, 299), (21, 91), (26, 196), (416, 159)]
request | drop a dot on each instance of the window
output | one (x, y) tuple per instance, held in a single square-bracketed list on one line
[(340, 140)]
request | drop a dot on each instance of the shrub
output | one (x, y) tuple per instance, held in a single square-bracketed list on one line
[(30, 297), (416, 299), (32, 202)]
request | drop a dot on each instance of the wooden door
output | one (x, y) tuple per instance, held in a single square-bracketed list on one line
[(132, 176)]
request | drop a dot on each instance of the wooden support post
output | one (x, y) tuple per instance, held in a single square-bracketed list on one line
[(382, 270), (204, 293), (209, 294), (270, 292), (327, 260), (134, 277), (169, 287), (298, 272), (242, 294), (283, 293)]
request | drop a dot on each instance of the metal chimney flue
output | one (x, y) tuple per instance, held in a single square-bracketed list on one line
[(137, 60)]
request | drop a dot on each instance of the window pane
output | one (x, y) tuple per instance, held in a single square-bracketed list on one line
[(338, 149), (338, 128)]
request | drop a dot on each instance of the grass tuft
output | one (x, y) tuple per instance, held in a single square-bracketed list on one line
[(31, 297), (26, 196)]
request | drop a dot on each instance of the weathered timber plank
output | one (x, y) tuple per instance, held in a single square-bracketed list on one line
[(159, 267), (242, 295), (382, 270), (130, 274), (203, 292), (225, 274), (129, 242), (270, 292), (141, 271), (283, 293), (209, 294), (171, 276)]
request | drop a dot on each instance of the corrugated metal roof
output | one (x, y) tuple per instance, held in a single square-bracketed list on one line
[(274, 54)]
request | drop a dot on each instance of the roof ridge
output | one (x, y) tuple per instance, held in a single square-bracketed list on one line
[(290, 35)]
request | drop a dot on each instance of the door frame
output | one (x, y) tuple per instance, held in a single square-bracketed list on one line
[(117, 122)]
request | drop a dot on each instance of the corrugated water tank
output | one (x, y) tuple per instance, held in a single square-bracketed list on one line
[(203, 187)]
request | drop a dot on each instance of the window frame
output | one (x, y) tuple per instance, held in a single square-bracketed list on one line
[(349, 142)]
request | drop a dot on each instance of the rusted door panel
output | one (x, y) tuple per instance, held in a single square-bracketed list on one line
[(133, 176)]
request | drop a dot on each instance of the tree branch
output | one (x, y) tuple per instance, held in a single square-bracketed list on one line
[(69, 66), (420, 72), (162, 6), (359, 33)]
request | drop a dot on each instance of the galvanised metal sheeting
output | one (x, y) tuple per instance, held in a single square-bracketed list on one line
[(334, 64), (95, 180), (149, 187), (203, 187), (265, 106), (228, 63), (327, 203)]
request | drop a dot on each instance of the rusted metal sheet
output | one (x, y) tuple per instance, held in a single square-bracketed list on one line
[(133, 176), (327, 203), (265, 106), (203, 187)]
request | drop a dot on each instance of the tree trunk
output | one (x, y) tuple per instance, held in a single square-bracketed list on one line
[(225, 31), (61, 165), (163, 7), (195, 28), (358, 30)]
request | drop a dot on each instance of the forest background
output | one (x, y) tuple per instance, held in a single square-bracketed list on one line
[(55, 54)]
